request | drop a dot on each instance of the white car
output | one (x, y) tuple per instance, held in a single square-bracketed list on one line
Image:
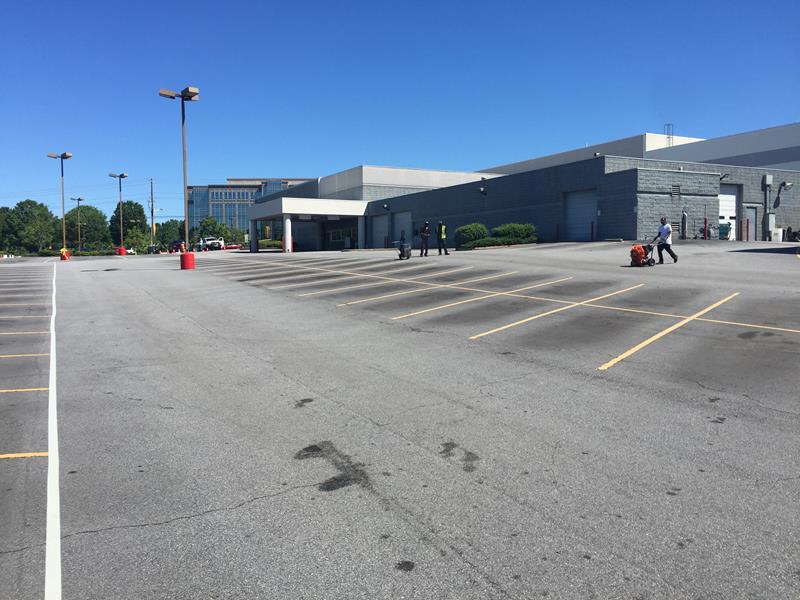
[(212, 243)]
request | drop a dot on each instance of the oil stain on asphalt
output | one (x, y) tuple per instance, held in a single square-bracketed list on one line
[(468, 458), (349, 472)]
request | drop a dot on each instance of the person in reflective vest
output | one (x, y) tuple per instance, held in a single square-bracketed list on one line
[(424, 236), (441, 237)]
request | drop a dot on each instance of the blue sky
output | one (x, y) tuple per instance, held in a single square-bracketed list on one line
[(306, 89)]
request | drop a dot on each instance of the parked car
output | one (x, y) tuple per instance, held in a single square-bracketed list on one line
[(153, 249), (212, 243), (175, 245)]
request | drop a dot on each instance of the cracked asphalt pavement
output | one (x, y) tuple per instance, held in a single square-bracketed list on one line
[(223, 435)]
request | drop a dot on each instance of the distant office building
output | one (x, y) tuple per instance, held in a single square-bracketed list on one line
[(228, 202)]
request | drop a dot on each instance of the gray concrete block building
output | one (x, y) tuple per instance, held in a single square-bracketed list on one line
[(619, 189)]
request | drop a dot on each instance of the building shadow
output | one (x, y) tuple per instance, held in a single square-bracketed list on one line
[(771, 250)]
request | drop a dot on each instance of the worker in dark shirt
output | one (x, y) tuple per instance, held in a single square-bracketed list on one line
[(424, 234)]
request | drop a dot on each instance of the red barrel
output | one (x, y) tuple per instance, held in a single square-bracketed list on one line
[(187, 260)]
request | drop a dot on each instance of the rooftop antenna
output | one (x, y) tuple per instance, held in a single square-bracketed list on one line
[(668, 133)]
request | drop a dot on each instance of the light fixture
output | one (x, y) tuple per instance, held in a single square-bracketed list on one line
[(724, 176)]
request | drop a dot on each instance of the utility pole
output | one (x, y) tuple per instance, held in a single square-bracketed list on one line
[(152, 212)]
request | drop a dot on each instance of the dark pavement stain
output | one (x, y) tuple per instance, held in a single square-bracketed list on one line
[(385, 536), (166, 407), (712, 400), (507, 353), (469, 458), (405, 565), (515, 577), (587, 556), (718, 420), (767, 334), (302, 402), (673, 491), (350, 473), (748, 335), (112, 269), (447, 449), (71, 472)]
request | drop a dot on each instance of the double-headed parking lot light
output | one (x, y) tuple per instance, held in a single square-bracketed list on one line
[(187, 94), (63, 156)]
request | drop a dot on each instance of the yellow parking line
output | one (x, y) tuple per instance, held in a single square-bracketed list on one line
[(430, 286), (21, 355), (386, 282), (664, 332), (24, 332), (492, 295), (551, 312), (24, 390), (751, 325), (23, 455)]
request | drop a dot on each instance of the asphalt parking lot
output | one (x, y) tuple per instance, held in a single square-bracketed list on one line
[(536, 422)]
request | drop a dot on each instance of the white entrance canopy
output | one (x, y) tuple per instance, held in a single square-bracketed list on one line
[(286, 208), (280, 207)]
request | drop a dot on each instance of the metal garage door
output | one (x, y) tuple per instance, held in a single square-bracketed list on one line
[(728, 199), (402, 222), (581, 215), (380, 230)]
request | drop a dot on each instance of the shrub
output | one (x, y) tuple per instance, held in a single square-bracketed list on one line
[(265, 244), (514, 230), (495, 241), (470, 233)]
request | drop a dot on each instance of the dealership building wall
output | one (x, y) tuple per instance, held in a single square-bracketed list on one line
[(599, 198)]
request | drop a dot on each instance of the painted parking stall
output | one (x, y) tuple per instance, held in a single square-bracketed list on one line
[(28, 476)]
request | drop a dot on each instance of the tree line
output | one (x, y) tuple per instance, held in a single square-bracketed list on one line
[(31, 228)]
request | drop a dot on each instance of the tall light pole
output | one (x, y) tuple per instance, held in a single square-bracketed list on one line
[(79, 200), (190, 94), (120, 177), (63, 156)]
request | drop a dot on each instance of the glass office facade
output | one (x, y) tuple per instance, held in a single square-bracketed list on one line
[(228, 203)]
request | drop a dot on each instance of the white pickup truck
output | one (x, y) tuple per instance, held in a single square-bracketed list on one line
[(212, 243)]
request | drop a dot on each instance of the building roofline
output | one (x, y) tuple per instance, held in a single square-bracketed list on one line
[(690, 162)]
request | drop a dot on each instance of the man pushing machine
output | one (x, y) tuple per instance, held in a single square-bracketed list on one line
[(664, 237)]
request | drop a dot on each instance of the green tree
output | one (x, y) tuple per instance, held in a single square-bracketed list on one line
[(33, 225), (133, 219), (94, 228), (169, 231), (6, 231), (209, 227)]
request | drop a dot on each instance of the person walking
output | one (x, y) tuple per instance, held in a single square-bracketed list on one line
[(441, 237), (664, 238), (424, 234)]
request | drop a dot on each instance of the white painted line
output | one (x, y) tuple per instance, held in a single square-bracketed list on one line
[(52, 558)]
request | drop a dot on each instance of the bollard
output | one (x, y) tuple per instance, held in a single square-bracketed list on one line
[(748, 230), (705, 228), (187, 260)]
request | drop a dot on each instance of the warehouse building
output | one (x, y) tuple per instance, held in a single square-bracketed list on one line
[(618, 189)]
